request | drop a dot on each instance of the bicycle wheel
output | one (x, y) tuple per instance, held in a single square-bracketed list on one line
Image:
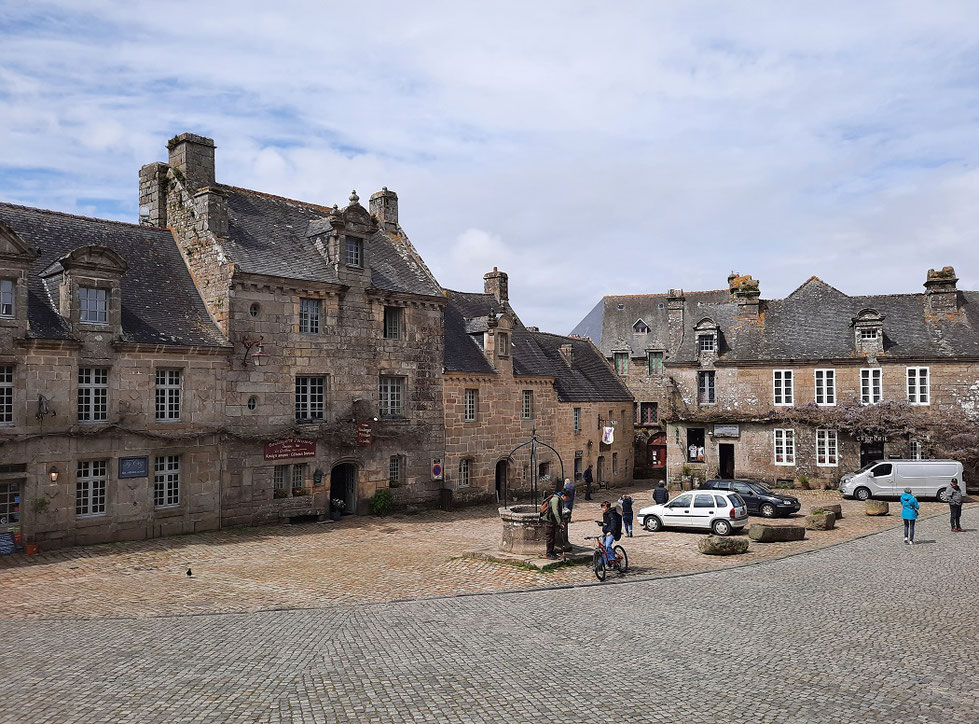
[(598, 564), (622, 558)]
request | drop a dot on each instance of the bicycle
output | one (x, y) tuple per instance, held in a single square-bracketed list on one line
[(602, 561)]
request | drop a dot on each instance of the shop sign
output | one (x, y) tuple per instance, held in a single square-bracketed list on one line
[(727, 430), (134, 467), (364, 434), (291, 448)]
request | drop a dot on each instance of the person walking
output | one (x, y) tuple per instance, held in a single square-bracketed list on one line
[(909, 512), (955, 507), (660, 494), (589, 479), (626, 501)]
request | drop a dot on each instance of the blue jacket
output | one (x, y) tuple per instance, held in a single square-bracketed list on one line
[(909, 506)]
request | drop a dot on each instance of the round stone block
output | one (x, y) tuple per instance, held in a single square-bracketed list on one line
[(716, 545), (877, 507)]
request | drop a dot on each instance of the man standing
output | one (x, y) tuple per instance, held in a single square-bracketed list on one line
[(588, 481), (551, 515), (660, 493), (955, 506)]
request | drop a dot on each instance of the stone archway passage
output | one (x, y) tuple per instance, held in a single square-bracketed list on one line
[(343, 485)]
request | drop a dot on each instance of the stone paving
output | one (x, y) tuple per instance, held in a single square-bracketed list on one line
[(356, 560), (871, 630)]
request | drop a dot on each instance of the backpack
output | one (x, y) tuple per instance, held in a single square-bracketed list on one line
[(545, 510)]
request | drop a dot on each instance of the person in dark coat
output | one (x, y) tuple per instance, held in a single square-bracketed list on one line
[(626, 503), (611, 528), (589, 479), (552, 517), (955, 506), (660, 493)]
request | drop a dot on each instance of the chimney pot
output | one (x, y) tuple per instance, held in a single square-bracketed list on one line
[(941, 293)]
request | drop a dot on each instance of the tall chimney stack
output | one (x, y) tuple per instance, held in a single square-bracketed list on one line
[(384, 205), (940, 291), (495, 283), (192, 156)]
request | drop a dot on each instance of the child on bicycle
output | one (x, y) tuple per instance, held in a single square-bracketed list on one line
[(611, 528)]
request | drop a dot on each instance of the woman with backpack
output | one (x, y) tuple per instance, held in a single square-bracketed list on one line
[(909, 512)]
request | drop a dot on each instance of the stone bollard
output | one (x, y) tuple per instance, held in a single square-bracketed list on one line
[(821, 521), (715, 545), (764, 533), (835, 508), (877, 507)]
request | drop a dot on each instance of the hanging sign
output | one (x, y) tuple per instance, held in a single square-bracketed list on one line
[(291, 448), (364, 433), (608, 435)]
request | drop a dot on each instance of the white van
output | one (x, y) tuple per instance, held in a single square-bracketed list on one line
[(883, 478)]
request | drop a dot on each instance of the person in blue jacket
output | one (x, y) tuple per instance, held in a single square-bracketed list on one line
[(909, 512)]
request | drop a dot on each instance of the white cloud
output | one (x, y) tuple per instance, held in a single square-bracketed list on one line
[(584, 148)]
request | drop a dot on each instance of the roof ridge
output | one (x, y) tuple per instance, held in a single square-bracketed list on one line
[(79, 216), (276, 197), (664, 294)]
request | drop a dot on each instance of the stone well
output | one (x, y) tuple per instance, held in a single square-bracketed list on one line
[(523, 532)]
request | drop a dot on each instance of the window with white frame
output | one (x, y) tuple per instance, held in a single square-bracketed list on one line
[(576, 415), (6, 395), (470, 405), (783, 389), (465, 471), (91, 479), (310, 399), (825, 387), (527, 407), (826, 446), (6, 297), (391, 397), (916, 450), (309, 315), (870, 386), (705, 387), (289, 480), (93, 306), (93, 394), (299, 478), (621, 362), (655, 362), (395, 471), (868, 333), (353, 251), (918, 386), (393, 322), (166, 481), (707, 342), (784, 446), (168, 395)]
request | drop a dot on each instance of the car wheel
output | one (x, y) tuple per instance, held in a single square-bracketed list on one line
[(861, 494), (943, 495), (768, 510), (652, 523), (721, 527)]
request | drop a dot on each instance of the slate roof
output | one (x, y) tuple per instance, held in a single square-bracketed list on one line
[(272, 235), (588, 379), (160, 303), (812, 323)]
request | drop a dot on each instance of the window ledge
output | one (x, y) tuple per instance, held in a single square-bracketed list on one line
[(168, 511)]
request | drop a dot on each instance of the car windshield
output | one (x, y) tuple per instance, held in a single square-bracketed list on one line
[(867, 467), (761, 487)]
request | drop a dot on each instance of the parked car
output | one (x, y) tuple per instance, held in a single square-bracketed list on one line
[(761, 499), (721, 512), (886, 478)]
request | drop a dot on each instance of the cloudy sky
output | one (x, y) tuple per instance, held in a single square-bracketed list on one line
[(586, 148)]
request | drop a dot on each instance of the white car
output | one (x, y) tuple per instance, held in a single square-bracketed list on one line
[(719, 511)]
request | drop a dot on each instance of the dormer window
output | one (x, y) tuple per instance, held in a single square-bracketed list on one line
[(868, 334), (640, 327), (353, 251), (93, 305), (6, 297), (707, 342), (502, 344)]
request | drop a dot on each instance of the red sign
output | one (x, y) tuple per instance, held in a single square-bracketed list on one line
[(292, 448), (364, 433)]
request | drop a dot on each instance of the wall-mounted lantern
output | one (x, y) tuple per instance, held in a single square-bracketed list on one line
[(53, 473), (253, 348)]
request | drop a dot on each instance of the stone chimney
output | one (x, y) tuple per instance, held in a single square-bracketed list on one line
[(941, 294), (747, 294), (495, 283), (567, 352), (675, 303), (153, 194), (192, 157), (384, 206)]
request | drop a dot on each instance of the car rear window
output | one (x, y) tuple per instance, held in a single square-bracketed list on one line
[(704, 501), (738, 500), (721, 502)]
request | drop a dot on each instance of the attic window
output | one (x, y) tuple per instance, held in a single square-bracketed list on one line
[(707, 342), (868, 333), (93, 305), (6, 297), (640, 327), (353, 251), (620, 307), (661, 306)]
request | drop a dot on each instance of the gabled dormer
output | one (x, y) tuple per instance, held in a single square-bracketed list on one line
[(640, 328), (16, 257), (350, 230), (708, 340), (868, 333), (87, 282), (498, 342)]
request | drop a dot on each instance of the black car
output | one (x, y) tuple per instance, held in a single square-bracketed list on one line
[(761, 499)]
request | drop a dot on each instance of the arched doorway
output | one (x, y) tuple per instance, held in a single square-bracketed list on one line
[(501, 478), (343, 485)]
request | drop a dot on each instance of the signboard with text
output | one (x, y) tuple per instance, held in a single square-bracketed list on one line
[(291, 448), (134, 467), (364, 434), (727, 430)]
